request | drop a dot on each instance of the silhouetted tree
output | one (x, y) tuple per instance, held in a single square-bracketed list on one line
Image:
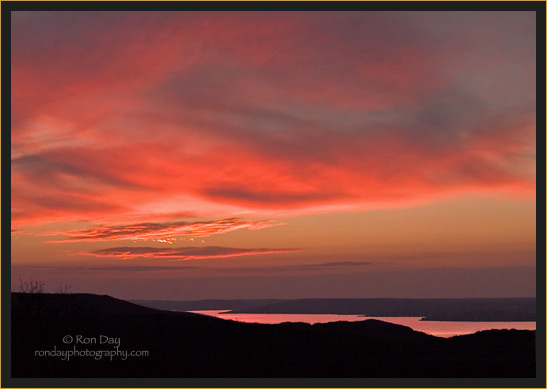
[(62, 288), (31, 286)]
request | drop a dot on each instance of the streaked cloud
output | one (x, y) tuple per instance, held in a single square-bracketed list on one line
[(341, 266), (183, 253), (162, 232)]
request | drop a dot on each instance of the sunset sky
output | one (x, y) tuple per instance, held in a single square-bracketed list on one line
[(188, 155)]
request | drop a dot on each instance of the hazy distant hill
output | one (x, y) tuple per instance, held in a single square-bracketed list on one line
[(192, 345), (198, 305), (488, 309)]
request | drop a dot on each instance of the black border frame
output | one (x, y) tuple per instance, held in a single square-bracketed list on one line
[(538, 6)]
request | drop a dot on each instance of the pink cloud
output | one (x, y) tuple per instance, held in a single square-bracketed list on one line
[(142, 116)]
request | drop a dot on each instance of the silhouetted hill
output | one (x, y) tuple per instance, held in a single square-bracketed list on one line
[(192, 345), (68, 304), (488, 309)]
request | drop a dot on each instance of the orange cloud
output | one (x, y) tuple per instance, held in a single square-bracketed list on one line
[(162, 232)]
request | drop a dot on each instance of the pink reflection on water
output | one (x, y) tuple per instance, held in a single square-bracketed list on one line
[(443, 329), (447, 329)]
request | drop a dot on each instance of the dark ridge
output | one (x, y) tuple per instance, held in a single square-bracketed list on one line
[(192, 345), (85, 303)]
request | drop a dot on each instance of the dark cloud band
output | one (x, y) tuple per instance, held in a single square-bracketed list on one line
[(183, 253)]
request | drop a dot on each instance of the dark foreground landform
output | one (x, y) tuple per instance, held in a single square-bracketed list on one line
[(475, 309), (190, 345)]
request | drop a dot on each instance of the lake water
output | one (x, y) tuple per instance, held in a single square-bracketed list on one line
[(443, 329)]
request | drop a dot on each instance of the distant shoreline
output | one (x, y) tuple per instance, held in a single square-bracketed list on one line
[(471, 320), (439, 309)]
